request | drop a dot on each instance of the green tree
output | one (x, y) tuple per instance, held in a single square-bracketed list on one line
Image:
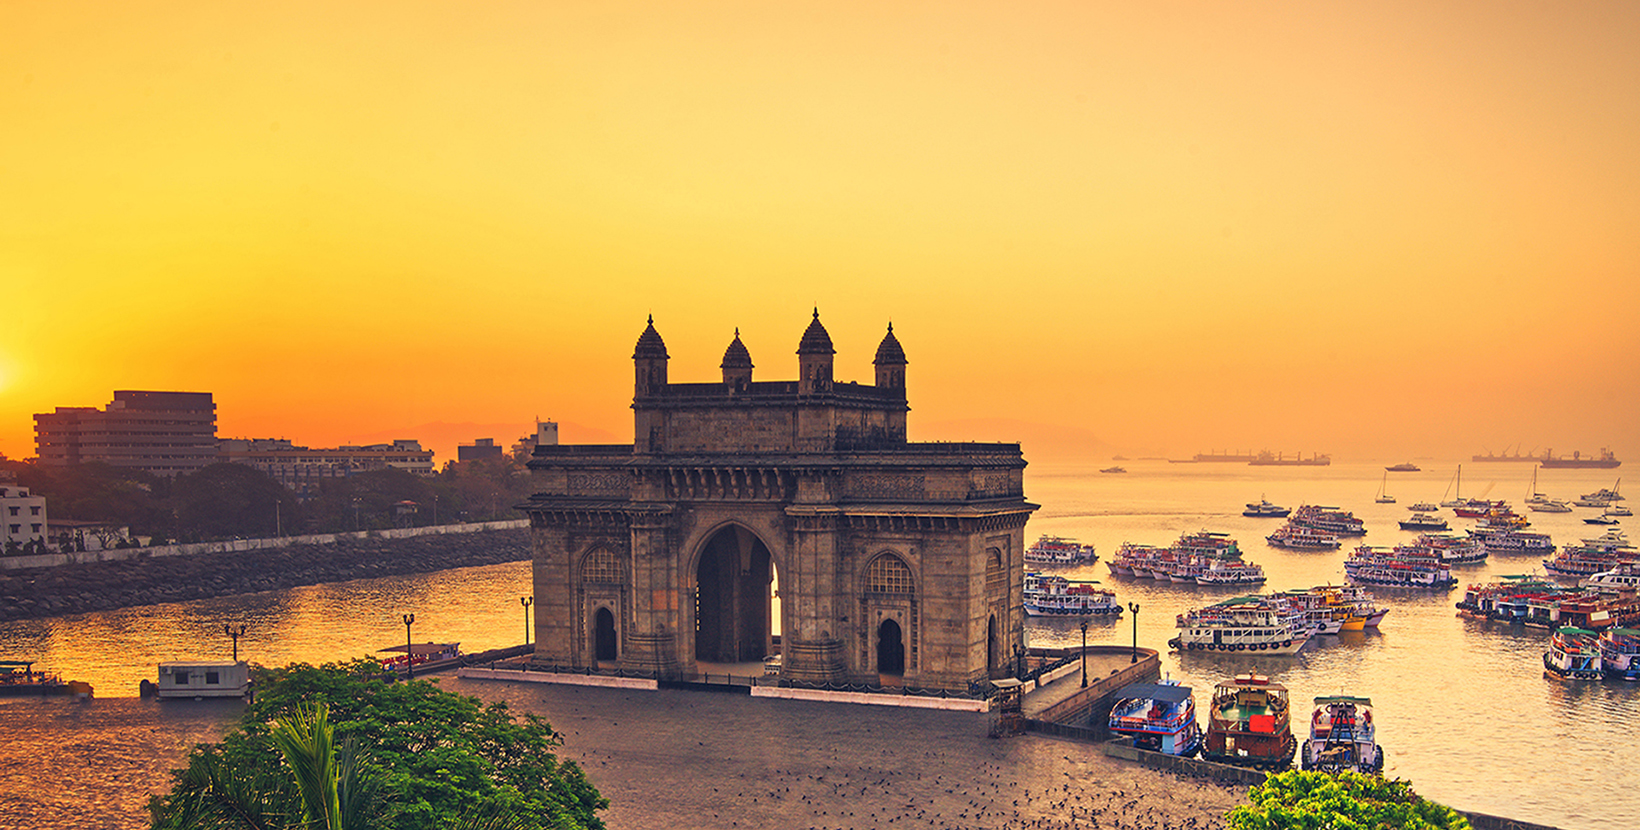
[(226, 500), (439, 759), (1297, 800)]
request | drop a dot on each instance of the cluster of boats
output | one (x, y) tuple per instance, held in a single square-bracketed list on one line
[(1249, 723), (1606, 552), (1605, 600), (1204, 558), (1314, 527), (1278, 623)]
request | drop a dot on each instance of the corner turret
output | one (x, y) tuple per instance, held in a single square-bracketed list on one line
[(649, 362), (890, 363), (737, 365), (814, 359)]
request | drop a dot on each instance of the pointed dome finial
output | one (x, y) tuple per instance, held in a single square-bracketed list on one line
[(889, 352), (815, 339), (736, 356), (650, 344)]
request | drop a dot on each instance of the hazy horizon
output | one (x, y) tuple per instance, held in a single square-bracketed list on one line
[(1393, 231)]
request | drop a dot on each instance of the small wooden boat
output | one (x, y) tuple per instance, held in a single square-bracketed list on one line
[(1342, 737)]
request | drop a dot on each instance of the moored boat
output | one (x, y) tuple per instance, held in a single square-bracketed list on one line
[(1403, 467), (1620, 653), (18, 678), (1342, 737), (1050, 595), (1573, 654), (1299, 537), (1264, 509), (1161, 717), (1249, 724), (1423, 521), (1058, 550), (203, 678), (1329, 520), (1254, 625), (1400, 567), (422, 657)]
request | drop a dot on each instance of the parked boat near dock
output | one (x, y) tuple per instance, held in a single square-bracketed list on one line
[(1249, 724), (1342, 737), (1160, 717)]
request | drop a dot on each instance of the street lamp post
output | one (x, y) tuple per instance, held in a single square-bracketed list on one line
[(525, 601), (229, 630), (409, 649), (1084, 653), (1134, 607)]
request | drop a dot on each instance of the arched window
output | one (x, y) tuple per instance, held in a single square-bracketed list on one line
[(887, 574), (602, 566)]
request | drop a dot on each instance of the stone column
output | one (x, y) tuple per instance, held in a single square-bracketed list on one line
[(652, 644), (811, 650)]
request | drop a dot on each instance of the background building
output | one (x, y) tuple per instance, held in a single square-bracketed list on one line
[(22, 516), (483, 448), (164, 433), (301, 469), (546, 435)]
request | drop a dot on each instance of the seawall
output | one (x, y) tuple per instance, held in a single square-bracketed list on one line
[(146, 576)]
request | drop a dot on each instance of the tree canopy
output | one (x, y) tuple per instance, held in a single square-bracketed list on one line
[(1297, 800), (422, 757)]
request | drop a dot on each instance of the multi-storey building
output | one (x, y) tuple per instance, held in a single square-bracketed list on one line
[(301, 469), (164, 433), (22, 516), (892, 559)]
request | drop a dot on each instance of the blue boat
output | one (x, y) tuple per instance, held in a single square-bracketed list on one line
[(1161, 717)]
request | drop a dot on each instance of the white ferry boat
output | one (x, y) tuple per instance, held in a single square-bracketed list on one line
[(1398, 568), (1050, 595), (1058, 550), (1299, 537), (1231, 572), (1255, 625)]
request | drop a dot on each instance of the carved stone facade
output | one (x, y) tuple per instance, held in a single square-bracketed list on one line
[(892, 558)]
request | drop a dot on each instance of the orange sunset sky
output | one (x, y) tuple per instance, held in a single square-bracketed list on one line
[(1382, 230)]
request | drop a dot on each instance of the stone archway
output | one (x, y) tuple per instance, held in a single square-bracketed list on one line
[(890, 648), (732, 598), (605, 644)]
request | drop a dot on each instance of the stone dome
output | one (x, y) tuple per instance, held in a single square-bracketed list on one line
[(815, 339), (889, 352), (736, 356), (650, 344)]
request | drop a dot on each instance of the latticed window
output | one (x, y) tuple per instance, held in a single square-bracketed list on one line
[(602, 566), (887, 574)]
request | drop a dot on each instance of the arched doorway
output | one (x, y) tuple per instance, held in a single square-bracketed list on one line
[(890, 648), (603, 636), (993, 647), (732, 593)]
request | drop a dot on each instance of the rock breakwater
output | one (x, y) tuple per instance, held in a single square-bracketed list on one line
[(99, 586)]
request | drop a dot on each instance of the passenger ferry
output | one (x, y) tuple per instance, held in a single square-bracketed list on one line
[(1252, 624), (1161, 717), (1602, 553), (1231, 573), (1057, 550), (1249, 724), (1573, 654), (1424, 521), (1298, 537), (1398, 568), (1506, 541), (1342, 737), (1451, 548), (1620, 654), (1624, 577), (1507, 599), (1329, 520), (1050, 595)]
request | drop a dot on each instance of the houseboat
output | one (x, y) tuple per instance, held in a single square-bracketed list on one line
[(203, 678), (1248, 724), (1161, 717), (1342, 737)]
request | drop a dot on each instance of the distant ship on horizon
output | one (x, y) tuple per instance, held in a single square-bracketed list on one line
[(1224, 456), (1266, 458), (1604, 460)]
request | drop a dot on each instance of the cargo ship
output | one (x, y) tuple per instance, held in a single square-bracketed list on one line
[(1604, 460), (1276, 459)]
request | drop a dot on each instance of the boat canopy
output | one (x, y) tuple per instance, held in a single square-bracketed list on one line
[(1359, 701), (1154, 691)]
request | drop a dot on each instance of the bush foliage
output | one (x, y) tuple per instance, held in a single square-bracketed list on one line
[(1295, 800)]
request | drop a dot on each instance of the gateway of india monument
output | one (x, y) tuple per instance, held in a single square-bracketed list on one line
[(892, 561)]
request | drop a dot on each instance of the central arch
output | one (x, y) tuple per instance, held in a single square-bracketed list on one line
[(732, 598), (603, 635)]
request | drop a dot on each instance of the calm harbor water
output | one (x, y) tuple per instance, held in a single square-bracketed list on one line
[(1463, 708)]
